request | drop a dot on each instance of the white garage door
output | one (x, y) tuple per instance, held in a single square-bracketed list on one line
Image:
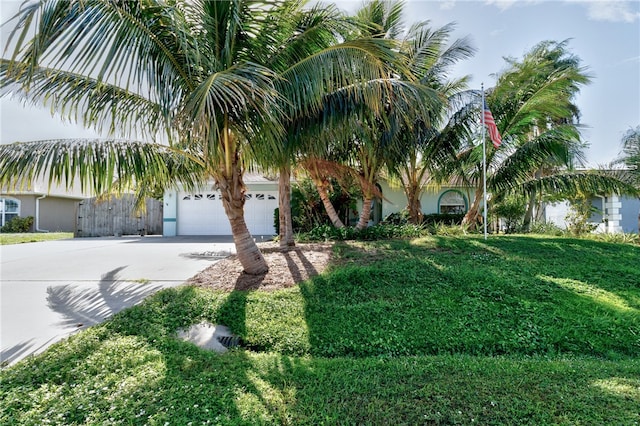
[(203, 213)]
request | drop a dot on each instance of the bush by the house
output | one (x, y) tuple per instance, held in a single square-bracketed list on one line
[(17, 225), (512, 209), (443, 218), (371, 233), (579, 214)]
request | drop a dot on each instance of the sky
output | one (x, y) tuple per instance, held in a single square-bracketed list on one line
[(605, 35)]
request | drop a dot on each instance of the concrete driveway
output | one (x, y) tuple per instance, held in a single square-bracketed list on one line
[(49, 290)]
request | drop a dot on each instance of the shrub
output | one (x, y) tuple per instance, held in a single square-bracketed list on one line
[(617, 237), (512, 210), (372, 233), (307, 210), (443, 218), (443, 229), (397, 218), (580, 213), (546, 229), (18, 225)]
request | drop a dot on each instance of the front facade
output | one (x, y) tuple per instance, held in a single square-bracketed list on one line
[(201, 212)]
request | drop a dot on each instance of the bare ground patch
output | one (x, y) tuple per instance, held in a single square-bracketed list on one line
[(287, 268)]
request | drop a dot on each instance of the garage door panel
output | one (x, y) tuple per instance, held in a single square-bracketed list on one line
[(203, 213)]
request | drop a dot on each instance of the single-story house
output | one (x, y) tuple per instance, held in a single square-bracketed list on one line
[(53, 208), (202, 213), (612, 213)]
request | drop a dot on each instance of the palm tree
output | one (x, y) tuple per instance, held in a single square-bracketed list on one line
[(630, 155), (331, 142), (316, 30), (532, 105), (198, 81), (379, 141), (429, 144)]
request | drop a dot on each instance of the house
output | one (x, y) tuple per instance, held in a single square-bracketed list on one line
[(612, 213), (52, 207), (201, 212), (58, 209)]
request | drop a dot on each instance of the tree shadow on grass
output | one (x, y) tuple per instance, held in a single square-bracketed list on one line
[(182, 383), (160, 379)]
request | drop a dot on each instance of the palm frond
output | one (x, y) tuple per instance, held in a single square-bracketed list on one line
[(97, 166), (550, 148), (87, 101), (109, 41), (590, 182)]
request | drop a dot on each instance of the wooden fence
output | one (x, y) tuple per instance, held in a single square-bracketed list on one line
[(117, 216)]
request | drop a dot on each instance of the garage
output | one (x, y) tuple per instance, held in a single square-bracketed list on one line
[(202, 213)]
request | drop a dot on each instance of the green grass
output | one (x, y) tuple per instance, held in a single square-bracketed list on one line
[(439, 330), (6, 239)]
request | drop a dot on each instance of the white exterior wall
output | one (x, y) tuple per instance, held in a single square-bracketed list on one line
[(395, 200), (555, 213), (618, 215)]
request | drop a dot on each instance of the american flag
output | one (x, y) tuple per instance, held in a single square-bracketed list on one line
[(494, 134)]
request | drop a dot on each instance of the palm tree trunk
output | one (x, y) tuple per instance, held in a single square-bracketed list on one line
[(284, 204), (528, 216), (413, 204), (473, 216), (321, 186), (365, 213), (232, 190)]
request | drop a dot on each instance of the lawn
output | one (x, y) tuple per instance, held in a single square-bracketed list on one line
[(439, 330), (20, 238)]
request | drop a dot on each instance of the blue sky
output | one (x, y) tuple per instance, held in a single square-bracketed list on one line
[(604, 34)]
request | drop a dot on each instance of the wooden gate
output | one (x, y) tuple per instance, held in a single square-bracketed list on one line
[(116, 216)]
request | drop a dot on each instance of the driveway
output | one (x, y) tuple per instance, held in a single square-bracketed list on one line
[(49, 290)]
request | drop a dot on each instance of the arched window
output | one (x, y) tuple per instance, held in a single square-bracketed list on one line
[(9, 208), (452, 202)]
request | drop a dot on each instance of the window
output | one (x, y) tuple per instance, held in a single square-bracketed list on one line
[(452, 202), (9, 208)]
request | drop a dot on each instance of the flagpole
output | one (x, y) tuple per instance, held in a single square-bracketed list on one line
[(484, 168)]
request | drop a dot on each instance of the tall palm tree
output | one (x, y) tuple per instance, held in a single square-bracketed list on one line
[(379, 141), (197, 81), (331, 142), (630, 155), (312, 31), (532, 104), (429, 144)]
